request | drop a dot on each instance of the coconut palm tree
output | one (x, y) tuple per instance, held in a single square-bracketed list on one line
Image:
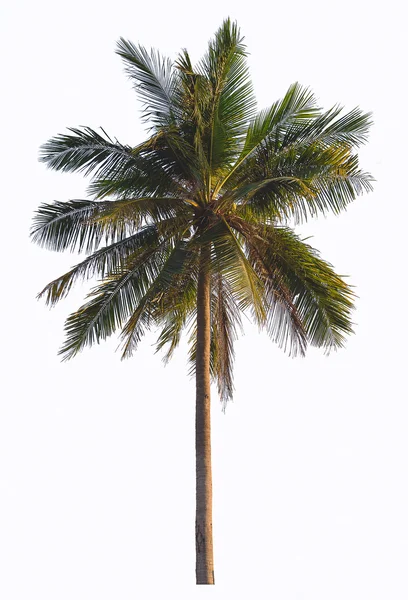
[(191, 228)]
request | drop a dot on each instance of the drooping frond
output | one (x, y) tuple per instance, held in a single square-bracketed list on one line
[(283, 321), (225, 319), (148, 310), (113, 300), (229, 260), (225, 323), (85, 150), (109, 259), (67, 226), (177, 308), (322, 300)]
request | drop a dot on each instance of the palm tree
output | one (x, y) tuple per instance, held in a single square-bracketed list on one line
[(191, 228)]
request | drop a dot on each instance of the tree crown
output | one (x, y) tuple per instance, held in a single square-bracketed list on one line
[(214, 173)]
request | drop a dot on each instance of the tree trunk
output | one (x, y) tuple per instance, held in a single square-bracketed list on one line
[(203, 526)]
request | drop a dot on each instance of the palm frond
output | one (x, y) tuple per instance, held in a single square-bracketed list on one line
[(67, 226), (321, 298), (147, 310), (233, 103), (298, 105), (329, 128), (85, 151), (132, 213), (113, 301), (164, 166), (109, 259), (154, 79), (225, 319), (283, 322), (229, 260), (177, 308), (301, 184)]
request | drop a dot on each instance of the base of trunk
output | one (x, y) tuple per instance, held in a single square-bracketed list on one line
[(204, 555)]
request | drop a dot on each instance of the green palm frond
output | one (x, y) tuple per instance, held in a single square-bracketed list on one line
[(177, 308), (158, 166), (328, 128), (283, 322), (194, 97), (339, 186), (85, 150), (300, 183), (232, 102), (138, 183), (113, 301), (154, 79), (109, 259), (321, 298), (133, 212), (148, 309), (67, 226), (298, 105), (229, 260), (226, 319), (165, 166)]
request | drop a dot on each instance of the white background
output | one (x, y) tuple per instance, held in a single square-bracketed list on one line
[(97, 455)]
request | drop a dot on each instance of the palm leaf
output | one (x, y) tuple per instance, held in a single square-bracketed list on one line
[(225, 319), (113, 301), (229, 260), (328, 128), (86, 151), (232, 103), (283, 321), (322, 299), (149, 308), (177, 308), (67, 226), (300, 184), (154, 78), (107, 260), (297, 105)]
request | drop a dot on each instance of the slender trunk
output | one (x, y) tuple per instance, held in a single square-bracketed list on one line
[(203, 527)]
